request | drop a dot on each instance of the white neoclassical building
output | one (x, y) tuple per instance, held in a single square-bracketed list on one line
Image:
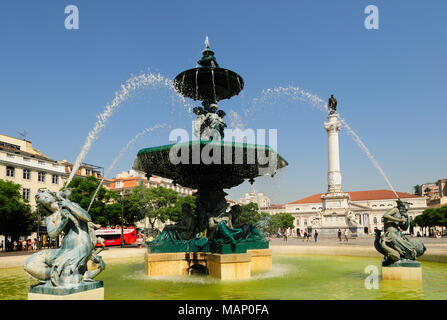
[(365, 207)]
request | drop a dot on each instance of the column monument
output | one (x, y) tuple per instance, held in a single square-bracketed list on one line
[(335, 203)]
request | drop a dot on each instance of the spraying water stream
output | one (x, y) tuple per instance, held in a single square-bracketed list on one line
[(125, 92), (120, 154), (300, 95)]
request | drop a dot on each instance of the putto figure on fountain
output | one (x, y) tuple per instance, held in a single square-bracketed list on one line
[(209, 124), (398, 250), (65, 268)]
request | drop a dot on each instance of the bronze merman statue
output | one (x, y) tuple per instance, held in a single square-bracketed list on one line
[(332, 104), (397, 248), (66, 266)]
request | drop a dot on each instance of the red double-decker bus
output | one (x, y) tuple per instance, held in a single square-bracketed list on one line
[(112, 236)]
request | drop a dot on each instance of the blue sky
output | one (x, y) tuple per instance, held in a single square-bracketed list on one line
[(390, 83)]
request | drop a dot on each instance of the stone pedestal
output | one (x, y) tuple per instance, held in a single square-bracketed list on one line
[(85, 291), (173, 263), (402, 273), (261, 259), (221, 266), (229, 266)]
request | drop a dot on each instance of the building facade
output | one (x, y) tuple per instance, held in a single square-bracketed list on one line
[(20, 163), (365, 208), (125, 181), (255, 197), (436, 192)]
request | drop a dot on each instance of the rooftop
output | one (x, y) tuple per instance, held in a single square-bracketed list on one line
[(361, 196)]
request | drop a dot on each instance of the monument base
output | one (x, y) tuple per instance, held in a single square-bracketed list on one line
[(402, 270), (402, 273), (332, 231), (84, 291)]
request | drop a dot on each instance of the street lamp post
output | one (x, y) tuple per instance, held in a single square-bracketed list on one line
[(122, 220), (38, 228)]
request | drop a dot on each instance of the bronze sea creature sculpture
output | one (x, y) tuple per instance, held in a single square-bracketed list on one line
[(398, 249), (66, 267)]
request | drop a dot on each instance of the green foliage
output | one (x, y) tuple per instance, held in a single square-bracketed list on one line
[(250, 213), (282, 220), (16, 218), (175, 213), (431, 217), (105, 209), (157, 204)]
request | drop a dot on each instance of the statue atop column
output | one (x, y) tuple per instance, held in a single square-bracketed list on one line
[(332, 104)]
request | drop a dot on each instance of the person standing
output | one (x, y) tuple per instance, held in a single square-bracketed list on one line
[(346, 235), (140, 241), (339, 235), (316, 235)]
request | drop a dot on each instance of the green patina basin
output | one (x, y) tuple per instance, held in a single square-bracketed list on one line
[(197, 163)]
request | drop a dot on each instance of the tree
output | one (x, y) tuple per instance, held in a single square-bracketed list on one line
[(282, 220), (431, 217), (250, 213), (175, 213), (16, 218), (152, 203), (105, 209)]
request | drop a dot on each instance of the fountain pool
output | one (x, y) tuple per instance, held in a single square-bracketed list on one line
[(293, 277)]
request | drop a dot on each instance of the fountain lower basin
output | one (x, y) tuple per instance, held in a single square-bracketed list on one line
[(292, 277)]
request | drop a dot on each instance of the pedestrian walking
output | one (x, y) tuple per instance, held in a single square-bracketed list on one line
[(346, 235), (285, 237), (140, 242), (339, 235), (308, 236), (316, 235), (304, 235)]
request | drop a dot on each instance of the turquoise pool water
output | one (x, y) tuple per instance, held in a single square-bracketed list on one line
[(292, 277)]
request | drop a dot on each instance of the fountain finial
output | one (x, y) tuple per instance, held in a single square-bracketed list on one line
[(208, 59)]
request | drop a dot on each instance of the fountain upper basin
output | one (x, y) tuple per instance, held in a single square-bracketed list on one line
[(197, 83)]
